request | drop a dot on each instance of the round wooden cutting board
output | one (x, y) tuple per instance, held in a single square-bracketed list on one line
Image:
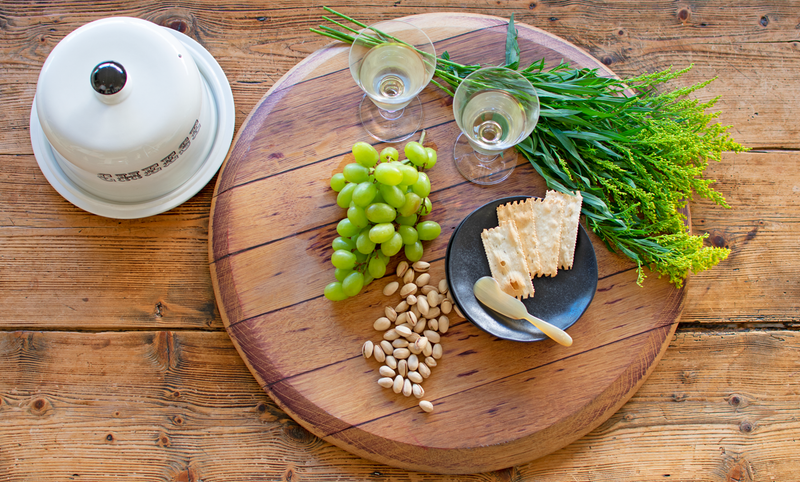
[(497, 403)]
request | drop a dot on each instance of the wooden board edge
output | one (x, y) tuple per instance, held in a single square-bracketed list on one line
[(261, 109), (528, 32), (520, 451)]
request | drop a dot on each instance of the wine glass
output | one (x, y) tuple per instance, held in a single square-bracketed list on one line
[(392, 62), (495, 108)]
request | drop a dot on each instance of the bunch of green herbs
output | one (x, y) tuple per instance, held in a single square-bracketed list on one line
[(636, 155)]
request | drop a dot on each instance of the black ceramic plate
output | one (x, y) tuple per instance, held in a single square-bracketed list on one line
[(559, 300)]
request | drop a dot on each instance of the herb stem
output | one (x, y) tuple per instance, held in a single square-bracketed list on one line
[(636, 155)]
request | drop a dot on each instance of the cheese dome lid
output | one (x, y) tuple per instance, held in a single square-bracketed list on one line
[(118, 93)]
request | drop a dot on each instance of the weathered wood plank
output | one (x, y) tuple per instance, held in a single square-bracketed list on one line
[(182, 406), (758, 283), (718, 407), (256, 45), (62, 267), (52, 247)]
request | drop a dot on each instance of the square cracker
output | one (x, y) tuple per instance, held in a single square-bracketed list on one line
[(569, 227), (547, 214), (522, 216), (507, 260)]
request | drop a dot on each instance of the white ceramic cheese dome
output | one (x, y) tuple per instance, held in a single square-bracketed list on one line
[(130, 119)]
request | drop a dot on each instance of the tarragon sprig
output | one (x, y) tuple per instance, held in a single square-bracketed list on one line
[(636, 155)]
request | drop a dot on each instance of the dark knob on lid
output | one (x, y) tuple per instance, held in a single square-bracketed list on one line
[(108, 78)]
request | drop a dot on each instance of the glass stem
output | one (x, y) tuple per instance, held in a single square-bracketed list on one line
[(391, 115)]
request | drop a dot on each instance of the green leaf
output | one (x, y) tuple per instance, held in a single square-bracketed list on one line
[(512, 47), (634, 148), (599, 135), (566, 143)]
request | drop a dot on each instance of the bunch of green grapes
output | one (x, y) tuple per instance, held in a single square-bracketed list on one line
[(385, 199)]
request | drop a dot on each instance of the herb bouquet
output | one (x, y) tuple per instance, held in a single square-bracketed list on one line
[(636, 155)]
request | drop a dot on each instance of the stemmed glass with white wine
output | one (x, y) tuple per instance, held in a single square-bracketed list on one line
[(392, 62), (496, 108)]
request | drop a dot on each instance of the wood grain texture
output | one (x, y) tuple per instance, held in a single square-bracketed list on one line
[(497, 403), (63, 268), (757, 283), (147, 406), (256, 45), (685, 422)]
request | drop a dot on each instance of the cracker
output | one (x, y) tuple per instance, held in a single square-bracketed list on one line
[(522, 215), (547, 215), (507, 260), (569, 226)]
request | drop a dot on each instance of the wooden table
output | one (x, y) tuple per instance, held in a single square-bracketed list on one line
[(115, 362)]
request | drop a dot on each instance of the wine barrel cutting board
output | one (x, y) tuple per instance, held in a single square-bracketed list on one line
[(497, 403)]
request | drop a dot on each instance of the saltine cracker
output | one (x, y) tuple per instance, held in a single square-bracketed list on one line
[(569, 226), (547, 214), (507, 260), (522, 216)]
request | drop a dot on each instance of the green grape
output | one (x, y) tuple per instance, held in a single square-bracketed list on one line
[(376, 267), (341, 274), (414, 251), (346, 228), (334, 291), (345, 195), (389, 154), (343, 243), (352, 285), (426, 207), (409, 220), (343, 259), (338, 181), (393, 245), (428, 230), (411, 205), (410, 174), (415, 153), (408, 233), (355, 172), (365, 154), (392, 195), (388, 174), (364, 193), (381, 233), (357, 216), (363, 243), (380, 213), (422, 187), (431, 161), (378, 190)]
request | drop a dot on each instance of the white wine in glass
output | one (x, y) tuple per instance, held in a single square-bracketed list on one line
[(392, 62), (495, 108)]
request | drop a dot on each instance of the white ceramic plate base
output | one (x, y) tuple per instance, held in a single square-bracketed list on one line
[(220, 90)]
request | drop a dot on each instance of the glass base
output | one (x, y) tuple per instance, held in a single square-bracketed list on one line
[(480, 168), (390, 127)]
